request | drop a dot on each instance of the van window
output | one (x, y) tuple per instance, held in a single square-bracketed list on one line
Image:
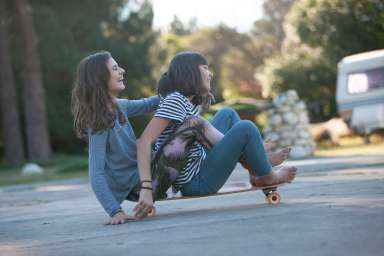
[(364, 81)]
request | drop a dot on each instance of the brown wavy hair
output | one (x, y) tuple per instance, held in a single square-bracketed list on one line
[(92, 106), (184, 76)]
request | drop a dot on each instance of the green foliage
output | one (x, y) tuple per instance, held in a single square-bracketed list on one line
[(244, 108), (78, 165), (232, 57), (69, 31), (296, 45), (318, 34), (305, 71), (130, 41), (238, 67), (166, 46), (177, 27), (340, 27), (59, 166), (269, 29), (261, 120), (215, 43), (245, 111)]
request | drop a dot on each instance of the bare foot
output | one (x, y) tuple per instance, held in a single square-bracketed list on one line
[(284, 174), (279, 157)]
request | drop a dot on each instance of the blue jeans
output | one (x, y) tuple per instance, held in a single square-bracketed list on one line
[(241, 137)]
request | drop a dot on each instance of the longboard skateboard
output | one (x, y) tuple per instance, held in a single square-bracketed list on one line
[(271, 195)]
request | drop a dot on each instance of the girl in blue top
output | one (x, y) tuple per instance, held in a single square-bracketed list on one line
[(211, 158), (102, 118)]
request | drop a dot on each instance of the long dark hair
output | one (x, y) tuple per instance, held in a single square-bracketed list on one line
[(92, 106), (184, 76)]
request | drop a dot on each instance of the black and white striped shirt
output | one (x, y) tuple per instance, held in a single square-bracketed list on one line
[(177, 107)]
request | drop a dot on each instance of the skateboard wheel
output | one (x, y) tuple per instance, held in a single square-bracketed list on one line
[(273, 198), (152, 212)]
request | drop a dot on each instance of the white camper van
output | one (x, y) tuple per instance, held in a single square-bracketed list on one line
[(360, 91)]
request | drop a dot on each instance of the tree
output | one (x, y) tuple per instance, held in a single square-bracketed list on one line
[(33, 91), (269, 31), (318, 35), (229, 75), (340, 27), (67, 31), (239, 64), (177, 27), (232, 57), (130, 41), (305, 71), (13, 146), (81, 28)]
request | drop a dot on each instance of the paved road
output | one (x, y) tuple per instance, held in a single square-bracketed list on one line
[(335, 207)]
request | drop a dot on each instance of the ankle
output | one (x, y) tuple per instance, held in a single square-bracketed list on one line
[(268, 179), (264, 180)]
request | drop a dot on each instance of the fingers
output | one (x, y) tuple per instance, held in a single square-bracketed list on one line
[(140, 215), (129, 219), (115, 222), (118, 221), (141, 210), (139, 207)]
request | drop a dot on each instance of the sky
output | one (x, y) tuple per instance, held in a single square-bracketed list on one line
[(239, 14)]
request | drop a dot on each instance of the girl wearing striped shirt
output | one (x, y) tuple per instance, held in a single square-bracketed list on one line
[(185, 89)]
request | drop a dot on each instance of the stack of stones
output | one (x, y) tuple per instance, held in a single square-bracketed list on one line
[(288, 125)]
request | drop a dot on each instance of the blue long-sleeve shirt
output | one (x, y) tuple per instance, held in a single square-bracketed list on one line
[(113, 170)]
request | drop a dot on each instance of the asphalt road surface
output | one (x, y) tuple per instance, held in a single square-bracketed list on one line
[(334, 207)]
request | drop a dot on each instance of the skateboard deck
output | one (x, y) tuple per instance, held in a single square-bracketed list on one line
[(233, 188), (271, 195)]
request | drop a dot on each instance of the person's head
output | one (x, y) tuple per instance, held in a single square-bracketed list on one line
[(98, 81), (188, 73)]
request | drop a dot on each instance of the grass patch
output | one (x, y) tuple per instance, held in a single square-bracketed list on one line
[(67, 166), (353, 145), (57, 167)]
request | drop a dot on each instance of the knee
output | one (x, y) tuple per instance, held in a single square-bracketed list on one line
[(227, 111), (229, 114), (248, 127)]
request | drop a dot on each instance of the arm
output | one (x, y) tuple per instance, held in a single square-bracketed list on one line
[(155, 127), (141, 106), (212, 134), (97, 147), (172, 108)]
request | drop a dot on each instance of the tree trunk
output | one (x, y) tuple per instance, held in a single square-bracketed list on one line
[(13, 145), (33, 91)]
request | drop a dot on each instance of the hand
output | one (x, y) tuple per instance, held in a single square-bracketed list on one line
[(145, 204), (119, 218)]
